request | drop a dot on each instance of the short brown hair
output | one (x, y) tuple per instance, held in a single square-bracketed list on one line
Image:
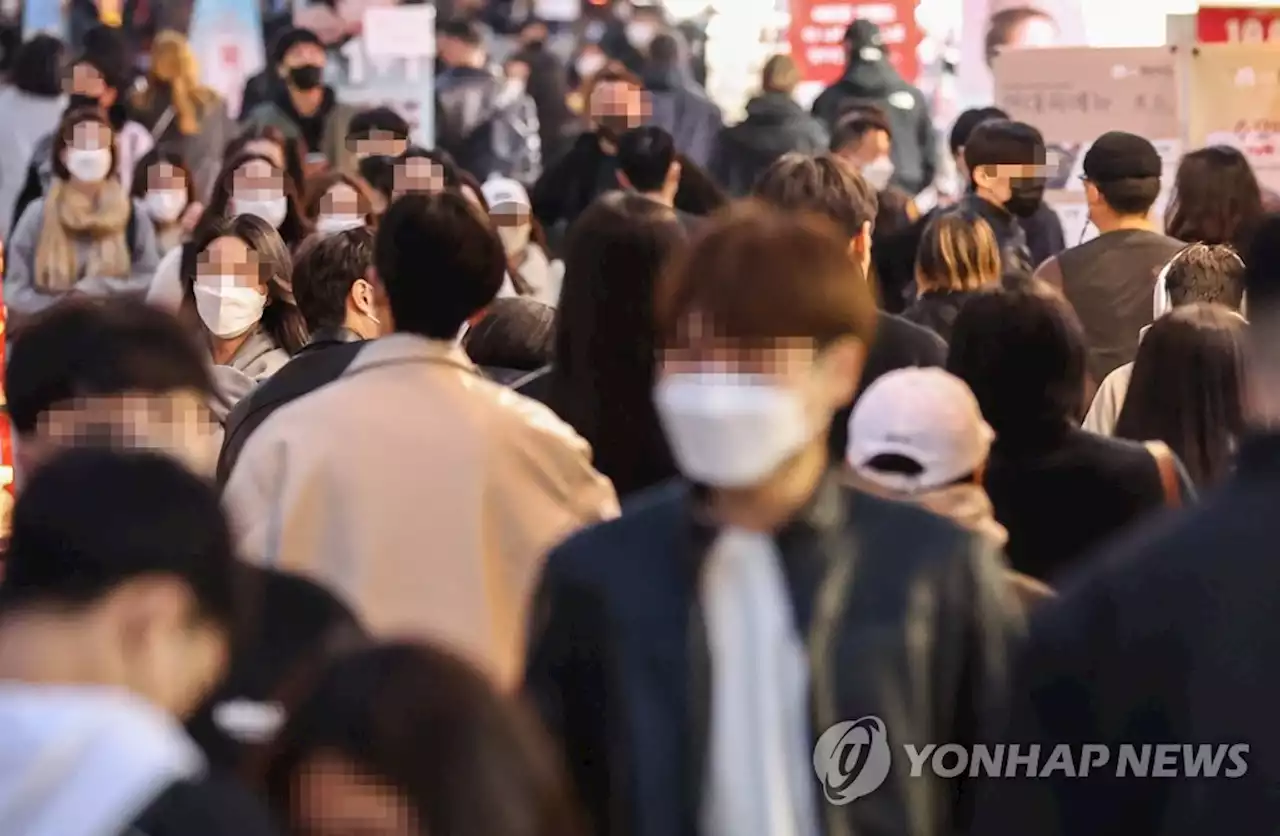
[(318, 189), (957, 252), (62, 139), (780, 75), (757, 274), (825, 185), (1206, 273)]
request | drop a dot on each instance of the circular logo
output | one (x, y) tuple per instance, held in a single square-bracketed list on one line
[(852, 759)]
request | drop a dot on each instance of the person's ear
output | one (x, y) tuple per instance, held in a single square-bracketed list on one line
[(1091, 193), (860, 244), (108, 97), (984, 177), (673, 175)]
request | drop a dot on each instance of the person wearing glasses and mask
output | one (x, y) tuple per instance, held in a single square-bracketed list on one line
[(305, 108)]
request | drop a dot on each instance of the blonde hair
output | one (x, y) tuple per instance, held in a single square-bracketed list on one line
[(174, 64), (780, 75), (958, 252)]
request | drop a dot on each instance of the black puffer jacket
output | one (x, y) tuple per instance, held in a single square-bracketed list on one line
[(915, 145), (775, 125), (937, 310)]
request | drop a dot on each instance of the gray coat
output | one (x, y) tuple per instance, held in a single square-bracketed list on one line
[(23, 298)]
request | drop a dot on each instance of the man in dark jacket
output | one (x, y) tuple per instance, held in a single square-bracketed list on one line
[(343, 304), (678, 105), (690, 654), (828, 186), (1167, 640), (775, 125), (869, 79), (549, 88)]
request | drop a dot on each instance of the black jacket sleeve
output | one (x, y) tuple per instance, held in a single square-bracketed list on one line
[(211, 806)]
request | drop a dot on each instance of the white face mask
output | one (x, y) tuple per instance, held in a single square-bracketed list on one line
[(88, 166), (273, 211), (515, 238), (227, 309), (731, 430), (333, 224), (165, 205), (510, 92), (590, 63), (640, 33), (878, 173)]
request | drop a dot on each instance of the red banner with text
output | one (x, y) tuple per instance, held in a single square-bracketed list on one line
[(1238, 24), (818, 27)]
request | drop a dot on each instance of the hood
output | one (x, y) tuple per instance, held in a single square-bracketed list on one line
[(676, 75), (85, 761), (770, 127), (871, 78), (773, 109)]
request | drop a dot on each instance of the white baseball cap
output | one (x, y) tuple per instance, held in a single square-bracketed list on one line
[(500, 191), (926, 415)]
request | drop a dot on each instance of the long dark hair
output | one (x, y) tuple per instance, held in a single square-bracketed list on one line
[(295, 227), (1188, 389), (281, 318), (467, 759), (1216, 199), (291, 149), (603, 375)]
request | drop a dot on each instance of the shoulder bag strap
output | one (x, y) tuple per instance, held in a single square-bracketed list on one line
[(1168, 468)]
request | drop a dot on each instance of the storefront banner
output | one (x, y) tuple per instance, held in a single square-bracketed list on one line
[(818, 27), (1235, 101), (392, 64), (226, 37), (1238, 24)]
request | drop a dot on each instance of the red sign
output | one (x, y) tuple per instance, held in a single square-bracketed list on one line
[(1238, 24), (818, 27)]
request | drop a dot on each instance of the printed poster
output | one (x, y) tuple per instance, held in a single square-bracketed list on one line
[(393, 64), (1235, 100), (816, 37), (226, 37), (1076, 94)]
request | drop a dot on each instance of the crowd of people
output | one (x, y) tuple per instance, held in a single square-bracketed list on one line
[(574, 480)]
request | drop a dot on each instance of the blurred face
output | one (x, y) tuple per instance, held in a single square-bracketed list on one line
[(871, 147), (332, 797), (257, 188), (590, 61), (166, 196), (418, 175), (230, 261), (379, 144), (339, 210), (515, 226), (455, 53), (616, 107), (229, 290), (303, 66), (87, 83), (88, 155), (1018, 188)]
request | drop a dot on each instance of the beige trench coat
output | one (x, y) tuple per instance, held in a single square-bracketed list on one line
[(425, 495)]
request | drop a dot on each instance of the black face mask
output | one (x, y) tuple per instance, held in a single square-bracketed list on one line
[(79, 101), (306, 77), (1025, 196)]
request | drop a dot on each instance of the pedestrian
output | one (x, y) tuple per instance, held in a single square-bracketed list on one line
[(702, 643), (531, 271), (1188, 389), (828, 186), (339, 202), (1110, 280), (775, 125), (343, 304), (85, 236), (677, 103), (1216, 199), (605, 366), (1060, 491), (164, 185), (236, 279), (252, 184), (958, 259), (33, 106), (510, 480), (1199, 273)]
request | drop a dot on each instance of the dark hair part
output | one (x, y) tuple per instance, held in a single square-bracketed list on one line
[(382, 119), (92, 519), (139, 186), (1002, 25), (516, 333), (1001, 142), (1216, 199), (1188, 389), (281, 318), (295, 228), (291, 148), (98, 347), (37, 68), (66, 129), (645, 155), (438, 732), (1206, 273), (602, 380), (323, 185), (324, 269), (461, 29), (1129, 195), (969, 120), (825, 185), (466, 258), (853, 128), (1023, 354)]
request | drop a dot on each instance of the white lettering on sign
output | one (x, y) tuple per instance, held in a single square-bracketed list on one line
[(843, 13), (1252, 30)]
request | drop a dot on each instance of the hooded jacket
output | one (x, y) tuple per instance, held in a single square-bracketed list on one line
[(97, 761), (876, 82), (681, 107), (775, 125)]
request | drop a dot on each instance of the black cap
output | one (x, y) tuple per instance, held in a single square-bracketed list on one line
[(1117, 155), (863, 33), (291, 38)]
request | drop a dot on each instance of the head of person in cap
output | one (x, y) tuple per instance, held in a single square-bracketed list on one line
[(918, 435), (1121, 181), (530, 270)]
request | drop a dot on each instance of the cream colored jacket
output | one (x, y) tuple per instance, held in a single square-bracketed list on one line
[(425, 495)]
